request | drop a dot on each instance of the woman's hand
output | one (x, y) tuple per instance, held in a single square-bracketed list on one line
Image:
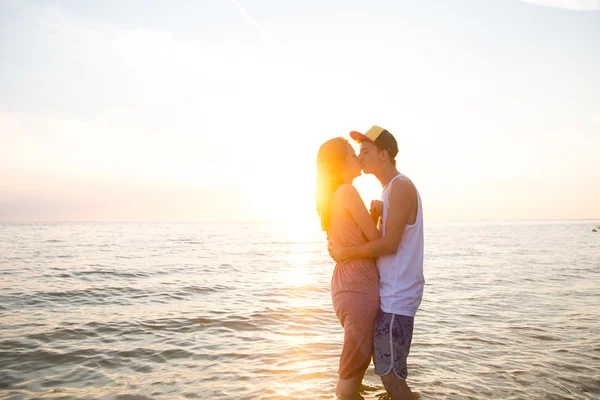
[(376, 209)]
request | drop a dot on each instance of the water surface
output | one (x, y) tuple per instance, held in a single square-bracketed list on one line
[(243, 311)]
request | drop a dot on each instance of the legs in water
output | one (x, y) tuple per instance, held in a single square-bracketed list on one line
[(356, 353), (349, 388), (397, 388)]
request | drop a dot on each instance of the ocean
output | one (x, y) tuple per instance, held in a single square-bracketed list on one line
[(511, 310)]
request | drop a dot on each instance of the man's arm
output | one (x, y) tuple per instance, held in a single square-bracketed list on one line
[(402, 198)]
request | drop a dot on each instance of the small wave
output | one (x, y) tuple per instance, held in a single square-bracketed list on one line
[(62, 334), (185, 241), (478, 339), (206, 289), (307, 289), (181, 325), (240, 325), (17, 345), (91, 292), (526, 328), (8, 380), (80, 373), (107, 295), (150, 327), (290, 243), (40, 359), (545, 338), (112, 273), (173, 354), (132, 397)]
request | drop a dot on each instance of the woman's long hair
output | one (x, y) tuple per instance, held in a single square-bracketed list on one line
[(330, 161)]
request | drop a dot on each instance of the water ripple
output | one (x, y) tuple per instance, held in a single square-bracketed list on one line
[(141, 311)]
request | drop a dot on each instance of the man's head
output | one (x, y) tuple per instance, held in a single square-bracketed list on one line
[(378, 149)]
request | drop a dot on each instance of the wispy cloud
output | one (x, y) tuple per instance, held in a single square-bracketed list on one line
[(261, 30), (579, 5)]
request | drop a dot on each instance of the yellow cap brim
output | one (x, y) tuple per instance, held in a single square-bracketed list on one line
[(359, 137)]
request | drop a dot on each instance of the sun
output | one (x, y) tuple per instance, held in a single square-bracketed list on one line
[(284, 195), (287, 195)]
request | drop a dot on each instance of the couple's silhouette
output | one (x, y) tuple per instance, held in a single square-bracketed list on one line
[(377, 284)]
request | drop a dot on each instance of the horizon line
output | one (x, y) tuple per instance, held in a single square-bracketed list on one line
[(282, 221)]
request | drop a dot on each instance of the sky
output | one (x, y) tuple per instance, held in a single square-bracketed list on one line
[(214, 110)]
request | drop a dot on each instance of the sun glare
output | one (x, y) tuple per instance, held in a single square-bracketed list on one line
[(295, 276)]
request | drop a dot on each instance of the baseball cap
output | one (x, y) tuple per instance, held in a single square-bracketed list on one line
[(378, 136)]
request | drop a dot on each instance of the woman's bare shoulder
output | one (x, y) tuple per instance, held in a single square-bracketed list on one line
[(345, 194)]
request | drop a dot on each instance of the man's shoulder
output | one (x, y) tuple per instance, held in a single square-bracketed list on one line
[(402, 188)]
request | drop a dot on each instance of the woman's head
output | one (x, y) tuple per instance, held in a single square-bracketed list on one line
[(337, 163)]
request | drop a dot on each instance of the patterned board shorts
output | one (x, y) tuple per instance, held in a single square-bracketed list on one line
[(393, 335)]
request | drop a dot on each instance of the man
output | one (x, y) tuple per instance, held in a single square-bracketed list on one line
[(399, 255)]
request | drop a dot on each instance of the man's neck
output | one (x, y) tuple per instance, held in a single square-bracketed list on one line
[(386, 175)]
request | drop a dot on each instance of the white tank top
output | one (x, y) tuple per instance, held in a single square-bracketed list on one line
[(401, 279)]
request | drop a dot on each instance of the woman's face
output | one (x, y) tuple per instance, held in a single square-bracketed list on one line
[(352, 167)]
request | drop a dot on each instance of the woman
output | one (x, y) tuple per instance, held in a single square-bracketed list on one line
[(355, 283)]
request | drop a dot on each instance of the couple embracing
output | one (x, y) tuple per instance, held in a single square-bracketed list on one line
[(377, 283)]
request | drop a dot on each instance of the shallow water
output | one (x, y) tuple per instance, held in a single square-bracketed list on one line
[(93, 310)]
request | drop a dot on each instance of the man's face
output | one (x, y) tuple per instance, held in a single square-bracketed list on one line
[(368, 157)]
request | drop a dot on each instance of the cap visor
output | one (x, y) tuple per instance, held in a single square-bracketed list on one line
[(359, 137)]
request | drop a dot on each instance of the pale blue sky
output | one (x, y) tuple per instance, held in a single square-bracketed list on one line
[(150, 110)]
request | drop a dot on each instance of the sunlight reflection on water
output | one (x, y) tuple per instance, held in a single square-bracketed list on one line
[(244, 311)]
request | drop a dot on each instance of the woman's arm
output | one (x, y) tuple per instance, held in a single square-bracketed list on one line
[(350, 199), (402, 198)]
